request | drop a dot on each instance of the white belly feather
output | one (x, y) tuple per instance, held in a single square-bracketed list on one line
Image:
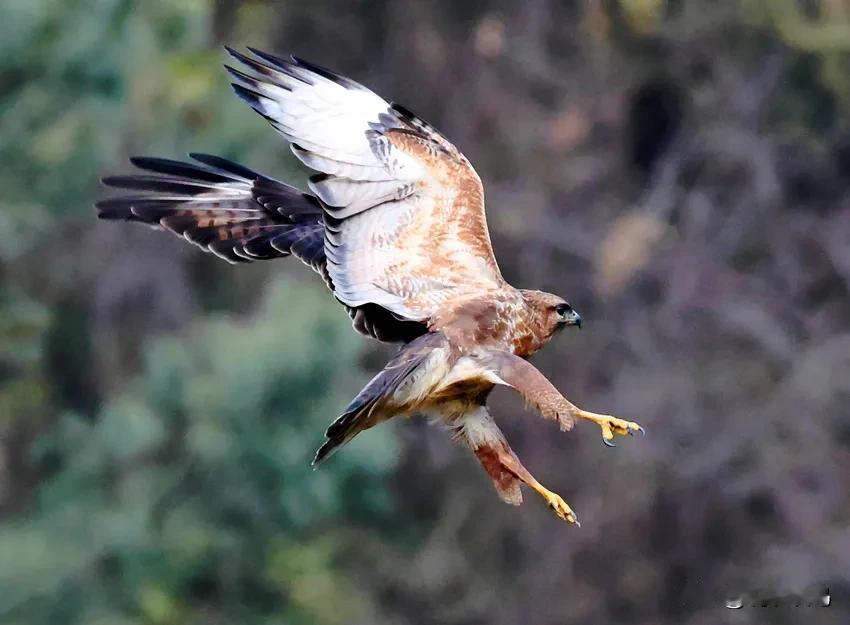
[(420, 392)]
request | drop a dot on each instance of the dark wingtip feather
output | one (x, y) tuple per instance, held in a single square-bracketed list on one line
[(257, 65), (139, 161), (242, 77), (179, 169), (158, 184), (248, 95), (324, 72), (105, 209), (220, 206), (115, 209), (222, 164), (115, 181), (324, 452), (403, 111), (155, 163), (270, 63), (275, 60)]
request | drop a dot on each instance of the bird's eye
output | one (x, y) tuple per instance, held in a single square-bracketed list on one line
[(563, 309)]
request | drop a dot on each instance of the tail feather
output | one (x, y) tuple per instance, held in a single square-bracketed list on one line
[(376, 402)]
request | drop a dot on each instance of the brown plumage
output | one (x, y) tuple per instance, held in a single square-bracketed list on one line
[(395, 225)]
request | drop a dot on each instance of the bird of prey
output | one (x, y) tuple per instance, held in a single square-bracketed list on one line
[(394, 223)]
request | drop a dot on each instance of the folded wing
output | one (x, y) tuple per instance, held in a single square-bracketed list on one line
[(405, 223)]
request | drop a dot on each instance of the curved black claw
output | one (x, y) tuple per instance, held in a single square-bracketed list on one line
[(640, 430), (607, 442)]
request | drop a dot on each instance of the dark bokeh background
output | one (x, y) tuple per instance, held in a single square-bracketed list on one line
[(680, 171)]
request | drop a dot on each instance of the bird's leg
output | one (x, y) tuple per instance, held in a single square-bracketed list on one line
[(520, 374), (509, 462), (610, 425), (479, 432)]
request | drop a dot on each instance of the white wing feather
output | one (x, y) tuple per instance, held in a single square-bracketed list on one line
[(390, 213)]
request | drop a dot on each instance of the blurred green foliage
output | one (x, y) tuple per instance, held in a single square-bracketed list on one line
[(187, 494), (159, 409), (196, 481)]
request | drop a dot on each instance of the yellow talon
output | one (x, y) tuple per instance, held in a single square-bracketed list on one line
[(611, 426), (561, 508)]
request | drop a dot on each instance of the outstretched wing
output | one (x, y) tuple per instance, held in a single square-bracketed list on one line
[(240, 216), (405, 219), (222, 207)]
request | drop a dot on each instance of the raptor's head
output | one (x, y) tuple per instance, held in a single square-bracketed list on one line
[(552, 312)]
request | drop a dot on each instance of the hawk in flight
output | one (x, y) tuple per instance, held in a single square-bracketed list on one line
[(394, 224)]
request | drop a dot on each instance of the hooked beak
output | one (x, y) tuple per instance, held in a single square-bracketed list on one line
[(574, 319)]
